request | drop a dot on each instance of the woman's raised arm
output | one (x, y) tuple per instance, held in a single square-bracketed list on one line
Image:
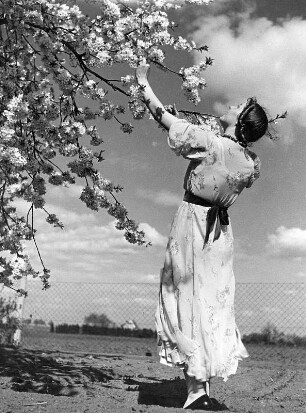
[(154, 105)]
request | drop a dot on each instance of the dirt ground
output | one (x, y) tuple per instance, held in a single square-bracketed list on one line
[(78, 382)]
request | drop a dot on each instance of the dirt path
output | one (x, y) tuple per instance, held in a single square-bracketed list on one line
[(32, 381)]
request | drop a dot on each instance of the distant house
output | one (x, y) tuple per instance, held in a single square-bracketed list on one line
[(130, 325)]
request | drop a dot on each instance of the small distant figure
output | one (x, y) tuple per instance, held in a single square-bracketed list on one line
[(51, 324)]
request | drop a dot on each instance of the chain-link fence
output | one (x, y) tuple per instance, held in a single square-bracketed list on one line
[(265, 313)]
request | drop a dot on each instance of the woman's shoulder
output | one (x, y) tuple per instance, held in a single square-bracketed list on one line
[(257, 165), (207, 123), (254, 157), (212, 124), (182, 125)]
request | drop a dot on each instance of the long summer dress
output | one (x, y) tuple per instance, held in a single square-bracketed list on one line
[(195, 318)]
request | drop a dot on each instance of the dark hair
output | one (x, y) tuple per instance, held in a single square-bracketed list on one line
[(252, 122)]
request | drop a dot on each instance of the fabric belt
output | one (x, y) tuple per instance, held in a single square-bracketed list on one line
[(216, 215)]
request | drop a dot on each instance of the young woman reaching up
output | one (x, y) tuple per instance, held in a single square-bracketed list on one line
[(195, 317)]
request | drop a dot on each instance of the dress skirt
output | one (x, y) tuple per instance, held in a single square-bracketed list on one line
[(195, 317)]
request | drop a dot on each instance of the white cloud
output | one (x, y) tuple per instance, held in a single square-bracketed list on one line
[(68, 217), (88, 249), (83, 237), (287, 243), (59, 192), (149, 278), (257, 57), (162, 197), (89, 238), (153, 235)]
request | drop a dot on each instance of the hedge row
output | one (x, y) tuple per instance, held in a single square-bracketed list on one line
[(269, 336), (281, 339), (103, 331)]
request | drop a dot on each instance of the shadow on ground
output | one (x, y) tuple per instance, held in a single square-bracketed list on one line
[(34, 371), (169, 393), (166, 393)]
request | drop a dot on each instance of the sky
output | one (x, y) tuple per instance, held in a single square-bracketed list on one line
[(259, 50)]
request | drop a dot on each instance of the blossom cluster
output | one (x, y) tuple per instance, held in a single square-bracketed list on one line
[(192, 82), (52, 58)]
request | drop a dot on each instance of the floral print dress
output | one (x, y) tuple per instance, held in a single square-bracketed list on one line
[(195, 317)]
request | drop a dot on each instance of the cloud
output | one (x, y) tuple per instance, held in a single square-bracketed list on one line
[(59, 192), (254, 56), (88, 249), (67, 216), (90, 238), (287, 243), (149, 278), (153, 235), (162, 197)]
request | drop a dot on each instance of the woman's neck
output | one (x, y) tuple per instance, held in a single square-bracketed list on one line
[(230, 130)]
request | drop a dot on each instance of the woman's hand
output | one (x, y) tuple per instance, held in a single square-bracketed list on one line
[(172, 109), (152, 102), (142, 72)]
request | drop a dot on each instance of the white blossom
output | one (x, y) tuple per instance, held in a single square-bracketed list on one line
[(55, 61), (6, 133), (13, 156)]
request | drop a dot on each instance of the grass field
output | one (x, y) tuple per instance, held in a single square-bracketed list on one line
[(40, 338), (60, 373)]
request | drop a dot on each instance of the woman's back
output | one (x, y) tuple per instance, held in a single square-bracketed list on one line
[(219, 169)]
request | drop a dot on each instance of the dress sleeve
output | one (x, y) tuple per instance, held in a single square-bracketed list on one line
[(256, 173), (192, 141)]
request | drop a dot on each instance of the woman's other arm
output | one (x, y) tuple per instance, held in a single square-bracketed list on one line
[(185, 139), (154, 105)]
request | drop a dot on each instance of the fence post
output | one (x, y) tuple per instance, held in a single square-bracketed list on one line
[(19, 311)]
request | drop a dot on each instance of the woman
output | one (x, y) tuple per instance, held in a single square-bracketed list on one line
[(195, 317)]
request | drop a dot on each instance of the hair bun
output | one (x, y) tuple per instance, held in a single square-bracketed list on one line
[(252, 121)]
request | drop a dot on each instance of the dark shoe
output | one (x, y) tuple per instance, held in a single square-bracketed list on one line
[(202, 403), (218, 406)]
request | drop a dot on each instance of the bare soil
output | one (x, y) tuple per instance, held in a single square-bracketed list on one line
[(123, 379)]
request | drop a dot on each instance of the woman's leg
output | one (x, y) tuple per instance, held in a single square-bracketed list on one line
[(195, 390), (206, 385)]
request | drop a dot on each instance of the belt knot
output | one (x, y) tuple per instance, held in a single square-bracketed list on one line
[(216, 215)]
